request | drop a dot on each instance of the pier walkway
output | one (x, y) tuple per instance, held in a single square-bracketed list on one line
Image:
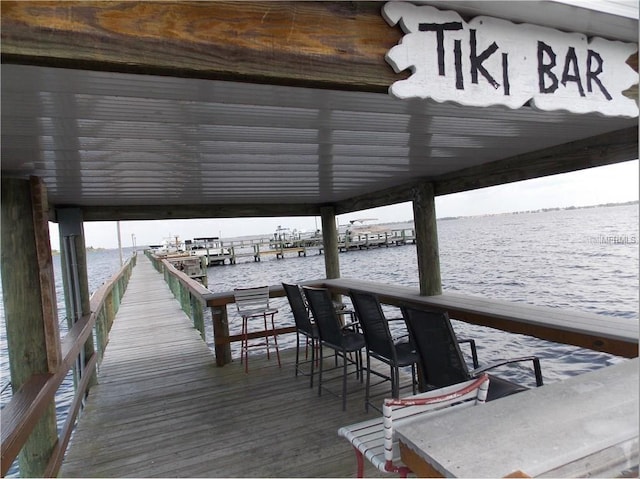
[(163, 408)]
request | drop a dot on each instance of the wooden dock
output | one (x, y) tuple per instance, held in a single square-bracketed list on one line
[(279, 252), (163, 408)]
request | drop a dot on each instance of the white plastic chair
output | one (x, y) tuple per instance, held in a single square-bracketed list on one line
[(254, 303)]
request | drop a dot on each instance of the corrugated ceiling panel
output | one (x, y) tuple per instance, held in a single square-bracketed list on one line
[(105, 138)]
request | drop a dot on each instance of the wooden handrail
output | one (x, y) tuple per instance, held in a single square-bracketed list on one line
[(21, 414), (57, 455), (222, 339), (99, 295), (25, 408), (27, 405), (196, 288), (613, 335), (275, 291)]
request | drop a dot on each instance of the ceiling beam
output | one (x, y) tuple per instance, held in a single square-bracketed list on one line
[(338, 45), (601, 150), (606, 149), (389, 196), (173, 212)]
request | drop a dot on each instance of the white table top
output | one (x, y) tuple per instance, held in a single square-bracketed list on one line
[(534, 431)]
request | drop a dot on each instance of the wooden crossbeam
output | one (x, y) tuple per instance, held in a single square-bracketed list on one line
[(326, 44)]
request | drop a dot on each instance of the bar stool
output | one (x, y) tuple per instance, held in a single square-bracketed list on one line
[(254, 303), (335, 335)]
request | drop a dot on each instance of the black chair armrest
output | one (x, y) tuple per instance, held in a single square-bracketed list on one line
[(536, 367), (397, 339), (354, 326), (474, 351), (401, 338)]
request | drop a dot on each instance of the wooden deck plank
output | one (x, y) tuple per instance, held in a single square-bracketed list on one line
[(163, 408)]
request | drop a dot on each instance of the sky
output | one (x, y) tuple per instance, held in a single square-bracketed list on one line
[(607, 184)]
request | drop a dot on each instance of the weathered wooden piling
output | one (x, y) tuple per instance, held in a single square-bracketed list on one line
[(330, 242), (30, 308), (424, 214)]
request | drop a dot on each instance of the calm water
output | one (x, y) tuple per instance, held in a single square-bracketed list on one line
[(583, 259)]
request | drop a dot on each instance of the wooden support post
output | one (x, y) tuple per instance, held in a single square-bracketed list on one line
[(40, 209), (203, 268), (221, 335), (330, 242), (29, 304), (424, 215)]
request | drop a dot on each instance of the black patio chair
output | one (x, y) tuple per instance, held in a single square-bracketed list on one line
[(380, 344), (304, 327), (343, 339), (442, 363)]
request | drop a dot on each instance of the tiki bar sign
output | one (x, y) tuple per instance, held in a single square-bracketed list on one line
[(489, 61)]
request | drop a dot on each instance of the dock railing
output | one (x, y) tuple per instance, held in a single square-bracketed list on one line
[(613, 335), (218, 302), (194, 297), (27, 405), (191, 294)]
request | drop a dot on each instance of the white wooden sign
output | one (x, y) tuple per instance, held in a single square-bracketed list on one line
[(489, 61)]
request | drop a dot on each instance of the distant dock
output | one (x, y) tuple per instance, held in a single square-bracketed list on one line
[(259, 247)]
